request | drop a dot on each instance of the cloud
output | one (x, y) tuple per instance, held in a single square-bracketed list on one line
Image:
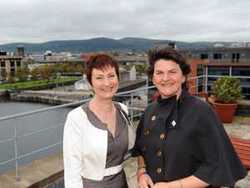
[(193, 20)]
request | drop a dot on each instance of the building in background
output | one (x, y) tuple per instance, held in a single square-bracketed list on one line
[(211, 63), (10, 62), (20, 51), (221, 54)]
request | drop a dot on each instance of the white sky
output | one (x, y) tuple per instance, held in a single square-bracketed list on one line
[(182, 20)]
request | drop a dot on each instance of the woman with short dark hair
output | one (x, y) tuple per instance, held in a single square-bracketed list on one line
[(180, 141)]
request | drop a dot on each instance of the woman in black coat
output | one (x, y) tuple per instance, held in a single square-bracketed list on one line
[(180, 141)]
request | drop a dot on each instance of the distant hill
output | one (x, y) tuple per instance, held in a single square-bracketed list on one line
[(102, 44)]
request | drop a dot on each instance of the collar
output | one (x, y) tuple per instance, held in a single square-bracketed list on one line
[(171, 106), (184, 94), (164, 101)]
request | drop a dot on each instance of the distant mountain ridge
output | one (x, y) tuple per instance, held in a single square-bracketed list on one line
[(102, 44)]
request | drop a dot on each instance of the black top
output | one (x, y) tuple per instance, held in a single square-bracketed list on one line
[(185, 137)]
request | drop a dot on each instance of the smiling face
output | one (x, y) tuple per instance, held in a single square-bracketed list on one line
[(104, 82), (168, 78)]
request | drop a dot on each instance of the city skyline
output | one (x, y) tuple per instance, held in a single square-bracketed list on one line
[(45, 20)]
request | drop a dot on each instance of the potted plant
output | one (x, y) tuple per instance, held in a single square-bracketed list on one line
[(226, 90)]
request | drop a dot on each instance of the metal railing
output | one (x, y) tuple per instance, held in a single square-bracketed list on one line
[(131, 98), (16, 137), (203, 83), (18, 117)]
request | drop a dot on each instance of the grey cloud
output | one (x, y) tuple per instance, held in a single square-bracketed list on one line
[(188, 20)]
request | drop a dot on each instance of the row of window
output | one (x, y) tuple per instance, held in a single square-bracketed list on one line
[(12, 63), (223, 71), (235, 57)]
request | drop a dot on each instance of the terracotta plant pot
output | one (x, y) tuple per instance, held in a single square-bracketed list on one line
[(225, 111)]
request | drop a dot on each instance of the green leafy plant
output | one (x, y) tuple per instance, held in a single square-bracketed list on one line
[(227, 89)]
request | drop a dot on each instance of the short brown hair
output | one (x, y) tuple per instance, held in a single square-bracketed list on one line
[(100, 61), (167, 54)]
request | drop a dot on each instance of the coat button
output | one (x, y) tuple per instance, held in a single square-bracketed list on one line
[(159, 153), (146, 132), (162, 136), (158, 170)]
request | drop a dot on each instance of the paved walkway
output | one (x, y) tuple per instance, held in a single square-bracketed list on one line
[(239, 128), (33, 172)]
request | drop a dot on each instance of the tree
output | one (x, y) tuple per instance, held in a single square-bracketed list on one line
[(79, 68), (35, 74), (3, 74), (141, 68), (22, 74), (45, 72), (11, 79)]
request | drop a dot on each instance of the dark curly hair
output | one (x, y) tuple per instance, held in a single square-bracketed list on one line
[(100, 61), (167, 54)]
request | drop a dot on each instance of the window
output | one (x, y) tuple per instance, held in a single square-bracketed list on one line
[(221, 71), (246, 92), (18, 63), (235, 57), (204, 56), (12, 63), (2, 64), (200, 70), (241, 71), (217, 56)]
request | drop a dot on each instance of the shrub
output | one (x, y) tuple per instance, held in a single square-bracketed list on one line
[(227, 89)]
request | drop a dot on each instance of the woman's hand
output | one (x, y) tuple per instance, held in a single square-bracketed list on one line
[(190, 181), (144, 181), (161, 185)]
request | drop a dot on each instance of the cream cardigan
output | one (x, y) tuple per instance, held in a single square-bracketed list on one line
[(85, 148)]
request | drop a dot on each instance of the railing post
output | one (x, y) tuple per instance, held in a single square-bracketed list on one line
[(147, 90), (16, 154), (197, 85), (206, 79), (131, 103), (230, 71)]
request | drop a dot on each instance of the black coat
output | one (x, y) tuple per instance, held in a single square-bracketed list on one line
[(182, 138)]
